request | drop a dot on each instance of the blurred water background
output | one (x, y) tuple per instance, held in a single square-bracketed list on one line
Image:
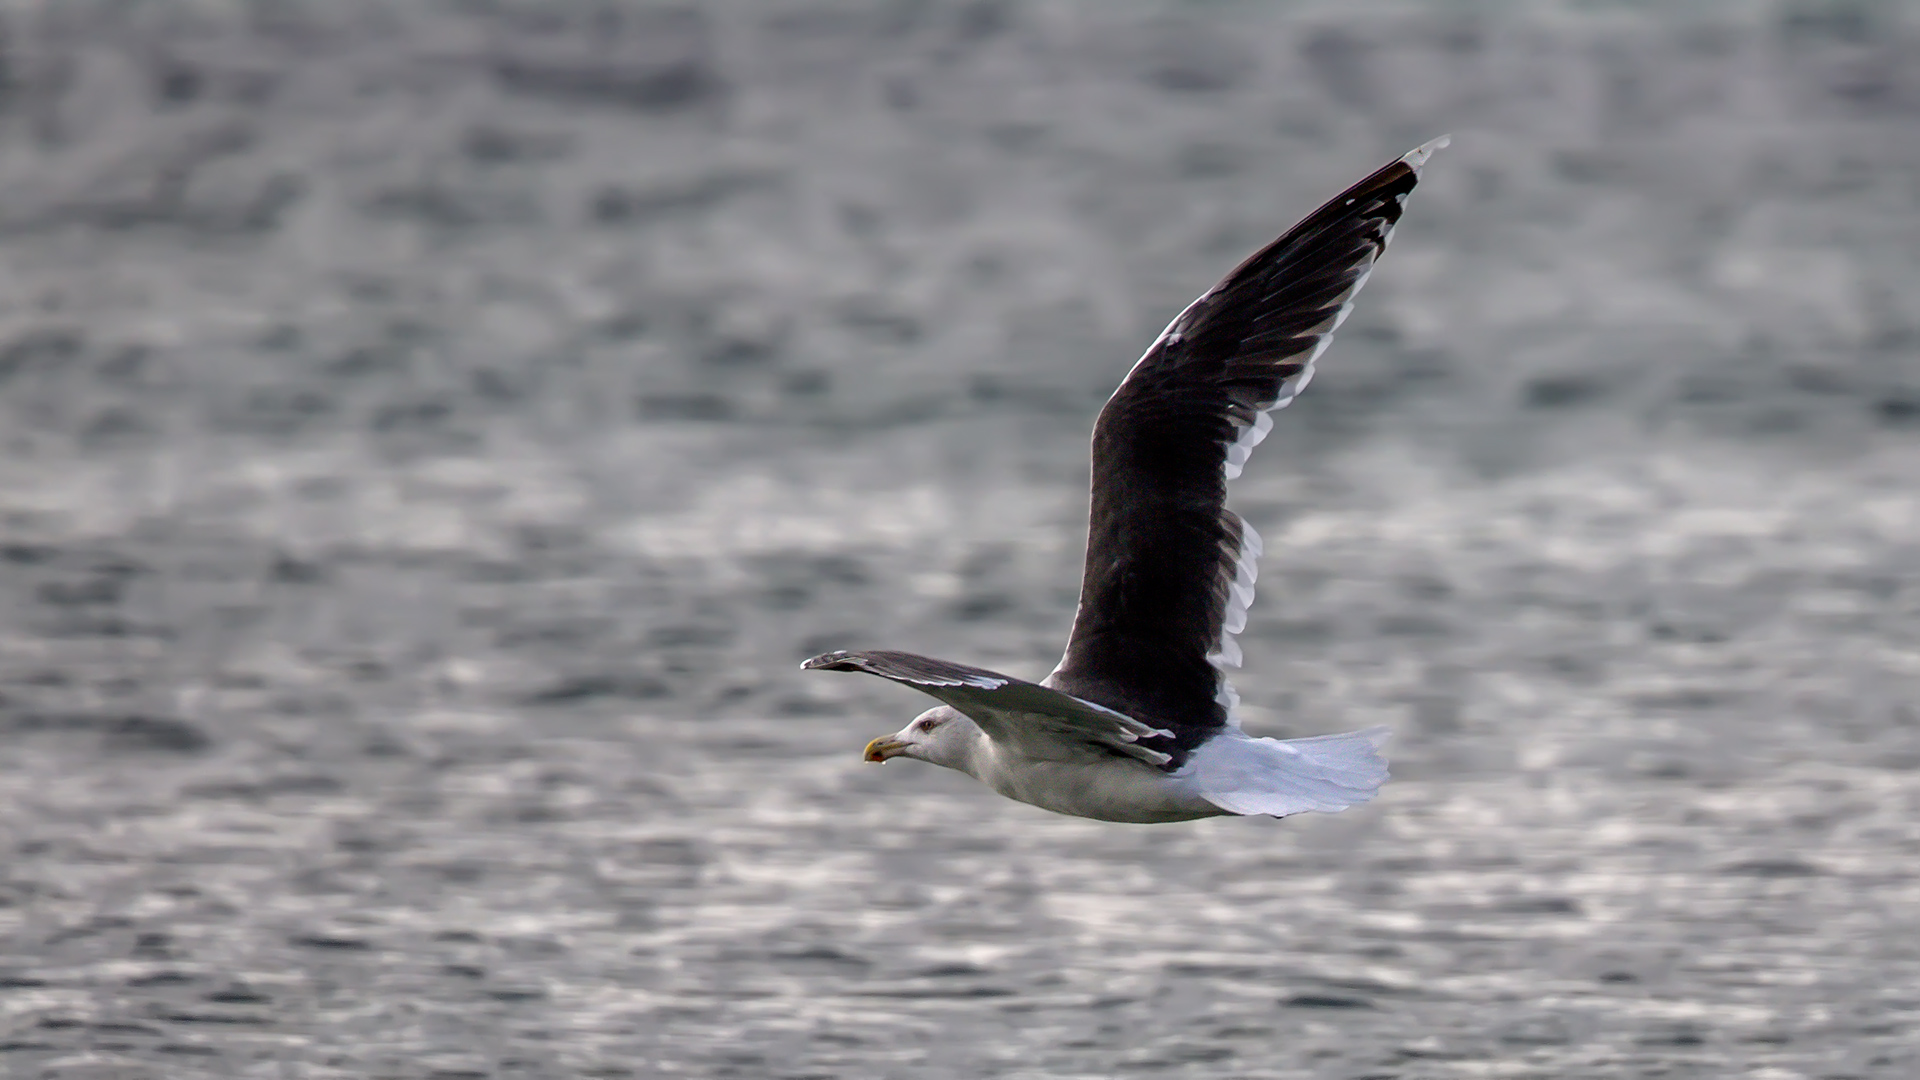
[(432, 432)]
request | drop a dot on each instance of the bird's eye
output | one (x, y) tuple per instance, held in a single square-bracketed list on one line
[(924, 725)]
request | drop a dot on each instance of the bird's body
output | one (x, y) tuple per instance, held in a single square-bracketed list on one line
[(1136, 723), (1111, 789), (1089, 789)]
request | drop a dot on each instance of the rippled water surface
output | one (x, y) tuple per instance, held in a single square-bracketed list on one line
[(433, 434)]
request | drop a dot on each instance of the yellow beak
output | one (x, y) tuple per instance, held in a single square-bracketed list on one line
[(884, 747)]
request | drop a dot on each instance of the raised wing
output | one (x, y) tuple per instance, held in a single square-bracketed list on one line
[(1170, 570), (1043, 724)]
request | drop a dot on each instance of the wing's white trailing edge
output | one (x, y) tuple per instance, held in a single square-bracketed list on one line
[(1246, 570), (1227, 653), (1239, 599)]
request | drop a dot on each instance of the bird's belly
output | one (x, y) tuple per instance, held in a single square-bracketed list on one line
[(1111, 790)]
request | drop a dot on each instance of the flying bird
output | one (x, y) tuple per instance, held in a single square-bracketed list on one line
[(1137, 722)]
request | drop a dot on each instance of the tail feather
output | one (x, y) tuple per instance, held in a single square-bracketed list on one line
[(1328, 773)]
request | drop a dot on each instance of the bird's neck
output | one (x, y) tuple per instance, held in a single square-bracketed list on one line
[(973, 754)]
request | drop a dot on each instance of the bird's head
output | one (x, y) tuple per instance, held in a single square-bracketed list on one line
[(941, 735)]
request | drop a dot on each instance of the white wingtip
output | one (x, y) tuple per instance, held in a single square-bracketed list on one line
[(1418, 156)]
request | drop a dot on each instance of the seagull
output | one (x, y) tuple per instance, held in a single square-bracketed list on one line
[(1137, 722)]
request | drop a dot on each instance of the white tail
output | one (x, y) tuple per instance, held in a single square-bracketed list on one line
[(1244, 775)]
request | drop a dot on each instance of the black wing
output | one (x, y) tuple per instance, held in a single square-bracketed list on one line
[(1170, 569), (1040, 723)]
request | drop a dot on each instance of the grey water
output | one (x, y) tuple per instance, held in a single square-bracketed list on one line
[(432, 433)]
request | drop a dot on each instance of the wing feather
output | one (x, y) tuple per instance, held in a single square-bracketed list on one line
[(1043, 723), (1170, 570)]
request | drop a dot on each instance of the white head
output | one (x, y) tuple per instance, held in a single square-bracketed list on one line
[(941, 736)]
